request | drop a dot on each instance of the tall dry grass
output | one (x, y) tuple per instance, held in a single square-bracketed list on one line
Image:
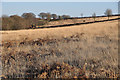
[(91, 49)]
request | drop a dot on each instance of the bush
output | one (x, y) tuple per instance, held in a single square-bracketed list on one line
[(42, 22)]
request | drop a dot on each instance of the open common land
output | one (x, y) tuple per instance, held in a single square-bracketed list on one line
[(80, 51)]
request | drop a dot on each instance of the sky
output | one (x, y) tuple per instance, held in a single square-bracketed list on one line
[(59, 0), (60, 8)]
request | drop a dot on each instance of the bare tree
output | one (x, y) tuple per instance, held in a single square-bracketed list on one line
[(48, 15), (81, 14), (17, 22), (54, 16), (94, 16), (42, 15), (6, 22), (65, 16), (60, 17), (108, 13), (5, 16), (30, 17)]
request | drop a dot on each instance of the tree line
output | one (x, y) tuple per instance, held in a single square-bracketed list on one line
[(24, 21), (15, 22), (48, 16)]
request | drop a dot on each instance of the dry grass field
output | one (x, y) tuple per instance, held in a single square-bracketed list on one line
[(73, 21), (82, 51)]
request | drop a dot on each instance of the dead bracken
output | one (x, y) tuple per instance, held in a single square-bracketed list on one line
[(87, 52)]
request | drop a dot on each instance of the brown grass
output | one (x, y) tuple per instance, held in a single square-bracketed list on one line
[(72, 21), (91, 49), (104, 28)]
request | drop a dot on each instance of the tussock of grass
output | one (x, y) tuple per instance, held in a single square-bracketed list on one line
[(88, 52)]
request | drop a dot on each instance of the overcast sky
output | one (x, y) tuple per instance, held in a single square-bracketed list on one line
[(60, 8)]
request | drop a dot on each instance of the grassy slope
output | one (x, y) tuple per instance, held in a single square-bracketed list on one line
[(91, 29), (93, 46)]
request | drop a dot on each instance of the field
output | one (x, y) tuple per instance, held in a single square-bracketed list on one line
[(81, 20), (82, 51)]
